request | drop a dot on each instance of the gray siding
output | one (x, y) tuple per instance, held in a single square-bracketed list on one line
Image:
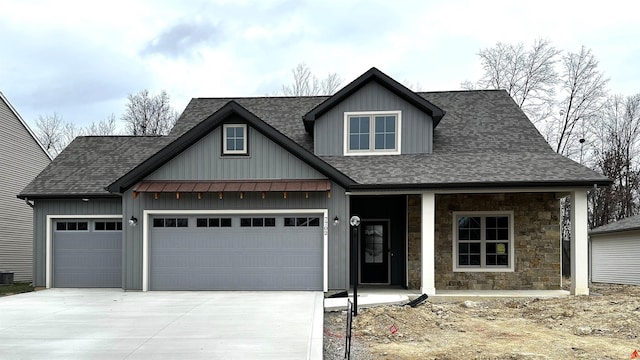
[(417, 127), (21, 159), (64, 207), (336, 204), (266, 160), (614, 258)]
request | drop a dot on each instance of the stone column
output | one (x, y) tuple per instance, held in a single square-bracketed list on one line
[(579, 244), (428, 243)]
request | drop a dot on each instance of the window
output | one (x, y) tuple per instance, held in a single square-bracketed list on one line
[(213, 222), (483, 241), (301, 221), (372, 133), (170, 222), (234, 139), (258, 222), (108, 225), (72, 226)]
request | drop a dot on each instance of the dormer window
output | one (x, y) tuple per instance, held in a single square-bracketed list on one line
[(372, 133), (234, 138)]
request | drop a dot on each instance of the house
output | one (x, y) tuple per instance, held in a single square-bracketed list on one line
[(22, 157), (615, 252), (455, 190)]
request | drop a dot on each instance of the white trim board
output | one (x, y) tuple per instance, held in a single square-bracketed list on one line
[(145, 234), (49, 240)]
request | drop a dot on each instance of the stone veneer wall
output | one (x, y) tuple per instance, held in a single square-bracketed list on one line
[(414, 214), (537, 242)]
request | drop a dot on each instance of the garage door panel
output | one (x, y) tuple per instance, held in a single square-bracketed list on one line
[(236, 258), (87, 258)]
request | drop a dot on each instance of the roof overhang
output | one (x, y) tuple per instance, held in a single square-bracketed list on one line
[(66, 196), (383, 79), (554, 186)]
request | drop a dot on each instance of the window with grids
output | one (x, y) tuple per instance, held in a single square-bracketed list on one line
[(372, 133), (234, 139), (483, 241)]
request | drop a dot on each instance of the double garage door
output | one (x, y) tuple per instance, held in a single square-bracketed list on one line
[(240, 252)]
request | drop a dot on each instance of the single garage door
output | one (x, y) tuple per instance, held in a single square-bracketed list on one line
[(247, 252), (87, 253), (614, 258)]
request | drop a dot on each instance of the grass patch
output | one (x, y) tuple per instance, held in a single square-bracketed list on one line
[(15, 288)]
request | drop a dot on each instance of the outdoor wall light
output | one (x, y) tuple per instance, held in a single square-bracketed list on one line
[(133, 221), (336, 221)]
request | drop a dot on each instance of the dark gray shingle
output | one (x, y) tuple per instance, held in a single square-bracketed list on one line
[(90, 163), (630, 223)]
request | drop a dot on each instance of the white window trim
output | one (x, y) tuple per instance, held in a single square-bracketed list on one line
[(224, 139), (454, 241), (372, 151)]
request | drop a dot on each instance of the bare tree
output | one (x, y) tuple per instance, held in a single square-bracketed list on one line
[(49, 130), (616, 156), (528, 75), (149, 115), (583, 88), (306, 84), (104, 127)]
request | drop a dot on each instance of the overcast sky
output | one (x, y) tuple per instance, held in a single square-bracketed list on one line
[(81, 59)]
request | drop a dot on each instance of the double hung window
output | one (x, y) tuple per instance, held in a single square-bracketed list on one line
[(483, 242)]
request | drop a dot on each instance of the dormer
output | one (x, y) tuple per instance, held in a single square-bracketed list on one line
[(373, 115)]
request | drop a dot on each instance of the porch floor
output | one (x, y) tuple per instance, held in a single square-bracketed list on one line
[(376, 296)]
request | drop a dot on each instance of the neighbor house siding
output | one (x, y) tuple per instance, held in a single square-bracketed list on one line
[(204, 161), (21, 159), (336, 204), (616, 258), (43, 208), (536, 243), (417, 127)]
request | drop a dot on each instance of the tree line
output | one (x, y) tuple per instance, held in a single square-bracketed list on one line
[(567, 97), (145, 115)]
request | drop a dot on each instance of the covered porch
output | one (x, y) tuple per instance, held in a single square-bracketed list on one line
[(423, 255)]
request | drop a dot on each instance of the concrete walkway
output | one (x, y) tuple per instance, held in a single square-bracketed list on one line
[(112, 324)]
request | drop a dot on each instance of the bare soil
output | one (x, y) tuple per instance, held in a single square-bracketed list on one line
[(603, 325)]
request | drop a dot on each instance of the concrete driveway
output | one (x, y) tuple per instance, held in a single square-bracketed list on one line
[(112, 324)]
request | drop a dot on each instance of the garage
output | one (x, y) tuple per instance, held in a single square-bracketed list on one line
[(87, 253), (615, 250), (261, 251)]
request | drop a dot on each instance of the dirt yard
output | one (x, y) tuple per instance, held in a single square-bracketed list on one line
[(604, 325)]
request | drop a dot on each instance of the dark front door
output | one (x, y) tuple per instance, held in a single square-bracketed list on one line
[(374, 252)]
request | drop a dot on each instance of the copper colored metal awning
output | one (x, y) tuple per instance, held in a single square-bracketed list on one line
[(232, 186)]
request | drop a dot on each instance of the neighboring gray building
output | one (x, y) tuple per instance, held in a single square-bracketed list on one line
[(615, 252), (22, 157), (456, 190)]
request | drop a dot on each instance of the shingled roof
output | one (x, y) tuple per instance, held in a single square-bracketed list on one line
[(90, 163), (627, 224), (484, 140)]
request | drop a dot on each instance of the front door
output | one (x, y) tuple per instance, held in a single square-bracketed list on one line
[(374, 252)]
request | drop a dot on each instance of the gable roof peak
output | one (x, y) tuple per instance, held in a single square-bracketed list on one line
[(383, 79)]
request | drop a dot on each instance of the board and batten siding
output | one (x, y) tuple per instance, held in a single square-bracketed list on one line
[(615, 258), (417, 127), (204, 161), (21, 159), (336, 204), (42, 208)]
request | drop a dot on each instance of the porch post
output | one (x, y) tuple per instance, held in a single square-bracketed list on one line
[(579, 244), (428, 243)]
